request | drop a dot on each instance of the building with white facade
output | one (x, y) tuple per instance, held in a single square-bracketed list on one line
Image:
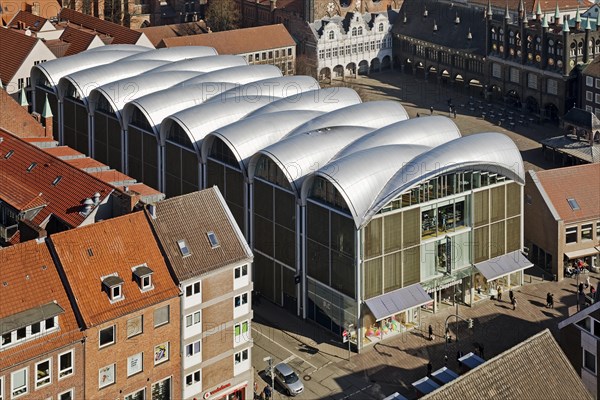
[(357, 44)]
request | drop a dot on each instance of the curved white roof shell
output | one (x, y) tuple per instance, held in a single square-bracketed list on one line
[(175, 53), (427, 131), (88, 79), (204, 64), (53, 70), (286, 86), (325, 100), (359, 177), (373, 114), (492, 152), (120, 92), (299, 155), (249, 135), (159, 105), (119, 47)]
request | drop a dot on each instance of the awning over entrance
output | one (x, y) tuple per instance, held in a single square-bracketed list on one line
[(425, 385), (444, 375), (399, 300), (503, 265), (582, 253), (471, 360)]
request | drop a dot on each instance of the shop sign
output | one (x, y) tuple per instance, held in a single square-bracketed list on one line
[(217, 390)]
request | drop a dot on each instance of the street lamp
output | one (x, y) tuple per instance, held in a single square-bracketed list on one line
[(269, 360)]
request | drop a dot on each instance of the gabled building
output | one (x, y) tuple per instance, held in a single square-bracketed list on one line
[(562, 217), (211, 262), (41, 345), (127, 307), (156, 34)]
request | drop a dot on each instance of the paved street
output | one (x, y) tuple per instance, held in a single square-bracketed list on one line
[(321, 360)]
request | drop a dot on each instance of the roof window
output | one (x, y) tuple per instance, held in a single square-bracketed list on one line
[(212, 238), (56, 180), (143, 276), (31, 166), (114, 287), (573, 204), (183, 247), (7, 155)]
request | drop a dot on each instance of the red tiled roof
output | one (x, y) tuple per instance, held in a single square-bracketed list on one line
[(581, 182), (111, 176), (85, 163), (238, 41), (121, 34), (116, 245), (79, 40), (15, 46), (19, 195), (64, 200), (64, 151), (32, 281), (141, 189), (16, 119), (157, 33), (28, 20)]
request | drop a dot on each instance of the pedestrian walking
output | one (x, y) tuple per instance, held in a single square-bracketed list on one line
[(431, 110), (255, 389), (445, 360), (511, 295), (429, 368), (267, 392), (548, 300), (514, 303), (430, 332), (551, 300), (459, 355), (454, 112), (581, 288), (418, 115), (500, 294)]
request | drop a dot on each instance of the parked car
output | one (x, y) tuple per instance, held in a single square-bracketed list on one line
[(288, 379)]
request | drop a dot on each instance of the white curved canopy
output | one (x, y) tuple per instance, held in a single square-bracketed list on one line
[(240, 75), (358, 177), (299, 155), (204, 64), (426, 131), (325, 100), (373, 114), (289, 87), (491, 151), (249, 135), (175, 53), (53, 70)]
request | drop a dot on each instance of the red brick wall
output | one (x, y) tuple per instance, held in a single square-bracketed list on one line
[(216, 316), (217, 285), (123, 348), (218, 372)]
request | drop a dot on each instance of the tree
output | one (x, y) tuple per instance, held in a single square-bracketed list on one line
[(223, 15)]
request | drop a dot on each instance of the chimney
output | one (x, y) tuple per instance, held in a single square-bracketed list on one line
[(152, 210), (96, 198), (87, 207), (47, 118)]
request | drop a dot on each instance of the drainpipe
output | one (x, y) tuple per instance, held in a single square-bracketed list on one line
[(359, 267)]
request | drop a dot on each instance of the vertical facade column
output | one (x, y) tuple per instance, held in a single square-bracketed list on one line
[(359, 267), (91, 132), (299, 294), (124, 146), (304, 287)]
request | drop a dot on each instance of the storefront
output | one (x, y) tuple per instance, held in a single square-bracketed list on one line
[(393, 313), (505, 271), (226, 392), (449, 289), (590, 258)]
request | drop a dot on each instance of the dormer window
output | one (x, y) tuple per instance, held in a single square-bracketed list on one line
[(114, 287), (183, 247), (212, 238), (143, 276)]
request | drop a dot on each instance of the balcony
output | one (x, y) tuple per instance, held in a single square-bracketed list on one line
[(7, 232)]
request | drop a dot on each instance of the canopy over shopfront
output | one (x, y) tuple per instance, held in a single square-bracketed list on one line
[(425, 385), (399, 300), (444, 375), (471, 360), (582, 253), (503, 265)]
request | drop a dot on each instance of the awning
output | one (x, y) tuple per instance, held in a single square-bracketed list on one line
[(471, 360), (399, 300), (582, 253), (503, 265), (444, 375), (425, 385), (395, 396)]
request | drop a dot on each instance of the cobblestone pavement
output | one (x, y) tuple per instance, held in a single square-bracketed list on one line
[(398, 361)]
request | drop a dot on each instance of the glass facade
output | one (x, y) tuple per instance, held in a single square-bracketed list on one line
[(107, 139), (181, 164), (142, 155)]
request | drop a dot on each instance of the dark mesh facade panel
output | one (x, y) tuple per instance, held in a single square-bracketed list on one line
[(373, 245), (318, 223), (263, 199), (215, 175), (342, 273), (373, 278), (234, 186), (498, 206), (189, 170), (342, 234), (513, 199), (497, 246), (481, 244), (263, 276), (285, 209), (411, 231), (285, 245), (392, 232), (513, 234), (392, 268), (317, 262), (481, 208), (263, 235), (411, 261)]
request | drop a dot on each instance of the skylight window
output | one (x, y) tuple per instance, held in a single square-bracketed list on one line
[(183, 247), (573, 204), (31, 166), (56, 180), (7, 155), (212, 238)]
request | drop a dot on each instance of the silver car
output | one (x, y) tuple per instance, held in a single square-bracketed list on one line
[(288, 379)]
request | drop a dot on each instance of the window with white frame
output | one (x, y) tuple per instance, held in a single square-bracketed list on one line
[(586, 232), (571, 235), (354, 31), (589, 96), (18, 383), (335, 52), (354, 48), (65, 364), (589, 361), (496, 70), (135, 364), (161, 316), (68, 395), (331, 35), (380, 27), (328, 53), (135, 326), (240, 331), (137, 395), (28, 332), (161, 353), (321, 54), (348, 50), (241, 271), (192, 349), (192, 290), (589, 81), (183, 247), (193, 378), (43, 373), (241, 356), (597, 112), (359, 31), (107, 336), (106, 376), (241, 300), (192, 319)]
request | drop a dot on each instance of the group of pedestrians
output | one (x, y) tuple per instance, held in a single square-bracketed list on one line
[(511, 296), (264, 395)]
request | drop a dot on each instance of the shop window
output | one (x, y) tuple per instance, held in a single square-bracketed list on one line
[(428, 223), (571, 235), (586, 232)]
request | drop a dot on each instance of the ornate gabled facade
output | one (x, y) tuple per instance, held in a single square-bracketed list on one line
[(357, 44), (534, 64)]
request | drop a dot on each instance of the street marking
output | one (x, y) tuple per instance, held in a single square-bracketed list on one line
[(357, 392), (290, 358), (283, 347), (326, 365)]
